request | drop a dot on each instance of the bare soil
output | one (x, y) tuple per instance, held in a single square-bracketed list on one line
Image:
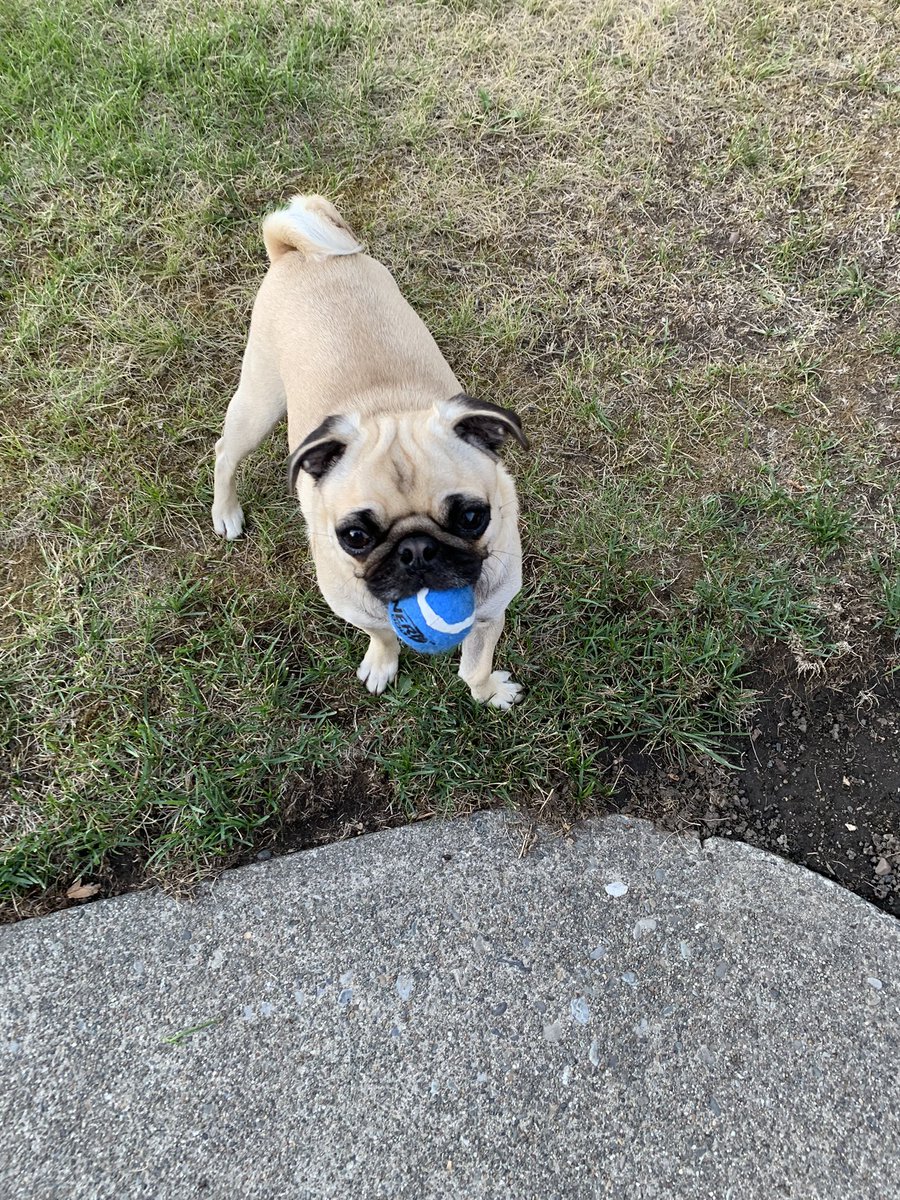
[(819, 784)]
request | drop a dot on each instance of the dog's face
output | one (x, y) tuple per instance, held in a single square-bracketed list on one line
[(408, 500)]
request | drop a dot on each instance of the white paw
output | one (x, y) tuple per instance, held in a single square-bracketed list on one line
[(500, 691), (228, 522), (377, 672)]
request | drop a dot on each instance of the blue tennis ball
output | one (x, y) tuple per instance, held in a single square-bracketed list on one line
[(433, 622)]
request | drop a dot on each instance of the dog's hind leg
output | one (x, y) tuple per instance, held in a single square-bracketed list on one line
[(255, 409)]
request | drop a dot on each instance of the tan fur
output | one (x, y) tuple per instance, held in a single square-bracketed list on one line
[(281, 233), (331, 334)]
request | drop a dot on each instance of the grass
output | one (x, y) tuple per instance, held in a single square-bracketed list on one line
[(175, 1039), (662, 232)]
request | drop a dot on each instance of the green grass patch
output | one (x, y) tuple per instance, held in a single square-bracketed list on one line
[(694, 316)]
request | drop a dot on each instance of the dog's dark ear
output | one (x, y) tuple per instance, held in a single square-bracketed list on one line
[(319, 451), (486, 425)]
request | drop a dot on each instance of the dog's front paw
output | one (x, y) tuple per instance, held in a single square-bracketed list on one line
[(378, 669), (228, 522), (499, 690)]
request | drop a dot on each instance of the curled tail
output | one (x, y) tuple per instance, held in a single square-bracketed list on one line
[(311, 225)]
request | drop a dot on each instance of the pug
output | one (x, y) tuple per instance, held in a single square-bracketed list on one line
[(396, 469)]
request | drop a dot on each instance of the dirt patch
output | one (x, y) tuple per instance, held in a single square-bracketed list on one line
[(323, 810), (819, 784)]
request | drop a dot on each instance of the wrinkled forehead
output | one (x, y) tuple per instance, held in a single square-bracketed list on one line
[(401, 466)]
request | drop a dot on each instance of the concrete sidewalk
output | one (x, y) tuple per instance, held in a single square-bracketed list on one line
[(422, 1013)]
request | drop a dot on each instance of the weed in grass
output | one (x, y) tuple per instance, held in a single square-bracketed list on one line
[(800, 250), (827, 524), (888, 576), (498, 116), (851, 289), (889, 342), (891, 600), (748, 149)]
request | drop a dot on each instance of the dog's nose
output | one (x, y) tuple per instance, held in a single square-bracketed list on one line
[(418, 552)]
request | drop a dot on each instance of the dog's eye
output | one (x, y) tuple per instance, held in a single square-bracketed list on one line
[(355, 540), (472, 521)]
